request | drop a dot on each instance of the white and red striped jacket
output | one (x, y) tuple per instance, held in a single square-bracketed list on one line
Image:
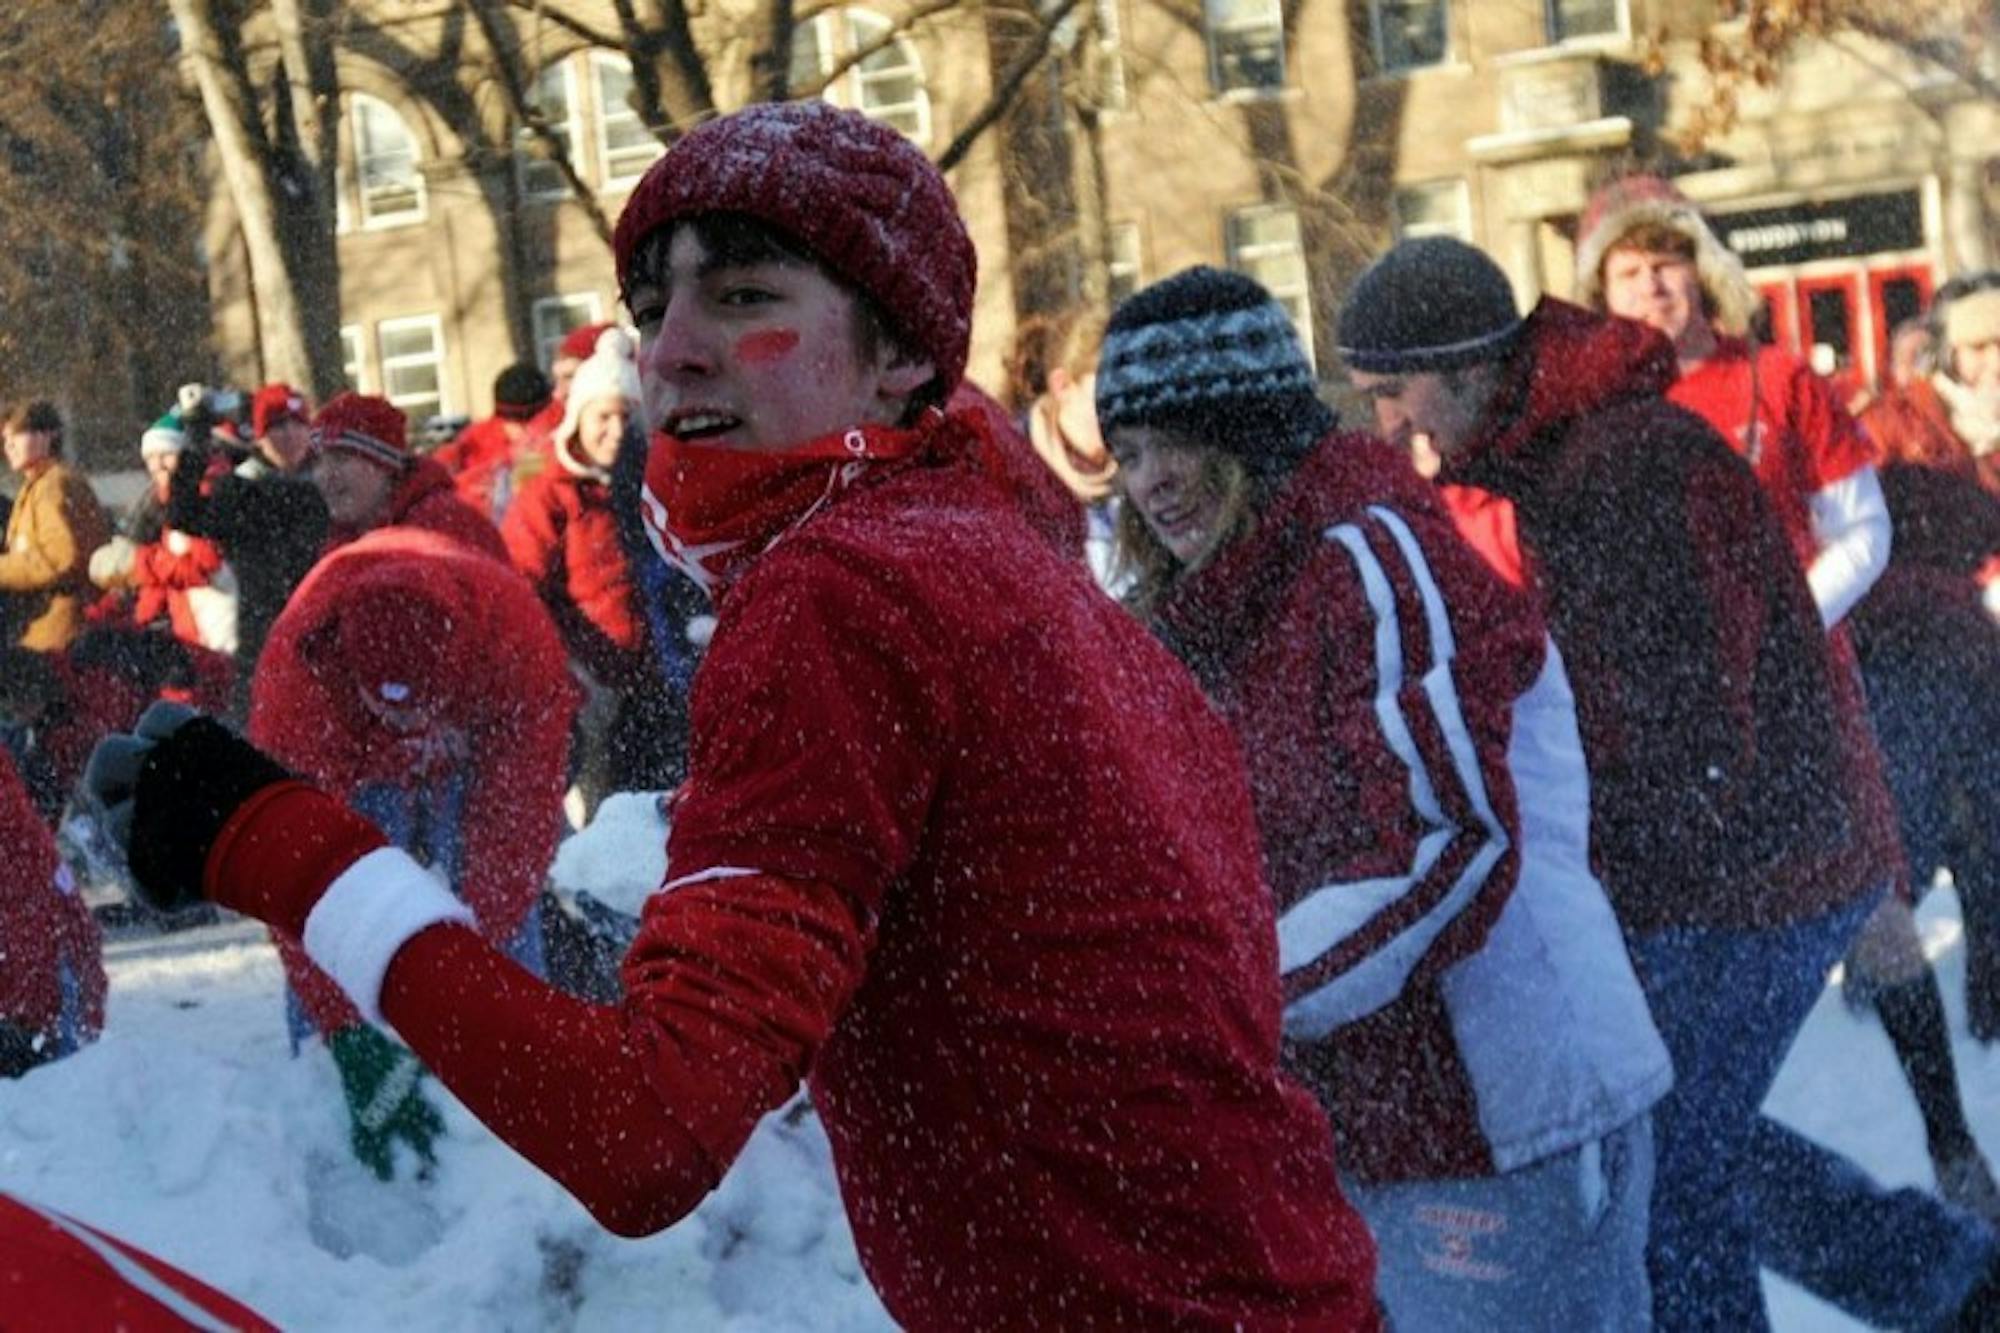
[(1456, 986)]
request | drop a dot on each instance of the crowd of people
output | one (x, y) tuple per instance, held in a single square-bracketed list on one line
[(1213, 865)]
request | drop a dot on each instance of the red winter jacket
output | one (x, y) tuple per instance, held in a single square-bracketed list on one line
[(1383, 681), (45, 927), (964, 846), (1800, 441), (562, 534), (1719, 791), (477, 652), (481, 463), (58, 1272), (425, 498)]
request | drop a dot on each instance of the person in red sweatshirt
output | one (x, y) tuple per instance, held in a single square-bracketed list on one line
[(1042, 1034), (369, 478), (482, 458), (1724, 816), (383, 682), (1457, 991), (1644, 252)]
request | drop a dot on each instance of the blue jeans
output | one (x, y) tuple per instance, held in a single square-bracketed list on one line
[(1736, 1189), (1558, 1244), (1899, 1258)]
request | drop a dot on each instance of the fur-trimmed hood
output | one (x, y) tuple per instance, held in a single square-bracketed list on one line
[(1634, 201)]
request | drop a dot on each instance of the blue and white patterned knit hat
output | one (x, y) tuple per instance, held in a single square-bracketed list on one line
[(1209, 355)]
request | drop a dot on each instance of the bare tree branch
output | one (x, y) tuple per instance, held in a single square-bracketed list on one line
[(1007, 88)]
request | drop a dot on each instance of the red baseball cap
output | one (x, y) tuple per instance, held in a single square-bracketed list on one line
[(274, 405)]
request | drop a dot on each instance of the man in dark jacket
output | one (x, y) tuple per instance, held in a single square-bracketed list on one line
[(267, 517), (1719, 818)]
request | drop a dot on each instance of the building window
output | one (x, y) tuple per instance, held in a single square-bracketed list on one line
[(411, 354), (1265, 243), (554, 99), (385, 164), (350, 358), (1124, 268), (625, 147), (1408, 33), (555, 316), (887, 85), (1246, 45), (1434, 208), (1570, 19)]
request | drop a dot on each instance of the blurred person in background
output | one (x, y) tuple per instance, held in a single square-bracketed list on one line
[(54, 526), (483, 457)]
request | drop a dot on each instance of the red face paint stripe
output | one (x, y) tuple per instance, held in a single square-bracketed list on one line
[(767, 346)]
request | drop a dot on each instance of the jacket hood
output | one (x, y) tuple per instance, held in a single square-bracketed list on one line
[(1636, 201), (1569, 363)]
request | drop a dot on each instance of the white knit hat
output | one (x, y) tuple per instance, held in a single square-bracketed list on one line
[(611, 370)]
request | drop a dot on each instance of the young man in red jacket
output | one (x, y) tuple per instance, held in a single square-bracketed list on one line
[(1043, 1035), (363, 467), (1723, 814)]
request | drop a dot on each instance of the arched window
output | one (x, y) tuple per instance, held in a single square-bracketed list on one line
[(625, 147), (554, 96), (887, 85), (385, 164)]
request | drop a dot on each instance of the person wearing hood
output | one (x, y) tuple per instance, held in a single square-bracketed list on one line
[(1722, 796), (55, 524), (369, 479), (562, 533), (1457, 990), (1042, 1037), (423, 684), (1644, 252)]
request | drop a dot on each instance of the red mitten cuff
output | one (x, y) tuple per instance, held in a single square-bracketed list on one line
[(281, 849)]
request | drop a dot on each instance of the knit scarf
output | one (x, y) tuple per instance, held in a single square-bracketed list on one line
[(712, 511)]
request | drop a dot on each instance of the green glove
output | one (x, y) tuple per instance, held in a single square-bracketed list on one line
[(385, 1099)]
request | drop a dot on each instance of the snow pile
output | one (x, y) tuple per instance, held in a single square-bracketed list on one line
[(191, 1130)]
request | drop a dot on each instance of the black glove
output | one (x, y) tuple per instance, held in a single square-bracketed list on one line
[(165, 791)]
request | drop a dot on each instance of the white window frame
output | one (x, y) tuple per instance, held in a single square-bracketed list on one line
[(834, 39), (1244, 258), (1124, 261), (1622, 33), (1460, 197), (527, 145), (607, 113), (354, 357), (1375, 31), (388, 365), (1107, 66), (409, 217), (1211, 30), (546, 344)]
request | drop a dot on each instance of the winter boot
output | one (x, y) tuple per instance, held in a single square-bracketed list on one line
[(1912, 1014)]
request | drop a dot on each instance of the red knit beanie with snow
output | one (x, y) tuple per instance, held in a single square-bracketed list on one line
[(359, 423), (859, 195)]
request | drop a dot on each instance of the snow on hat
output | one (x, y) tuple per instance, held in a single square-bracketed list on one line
[(859, 195), (579, 342), (365, 425), (1211, 355), (273, 405), (165, 436), (611, 370), (1620, 206), (1430, 304), (520, 391)]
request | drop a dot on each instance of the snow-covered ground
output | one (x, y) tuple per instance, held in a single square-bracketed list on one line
[(191, 1130)]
